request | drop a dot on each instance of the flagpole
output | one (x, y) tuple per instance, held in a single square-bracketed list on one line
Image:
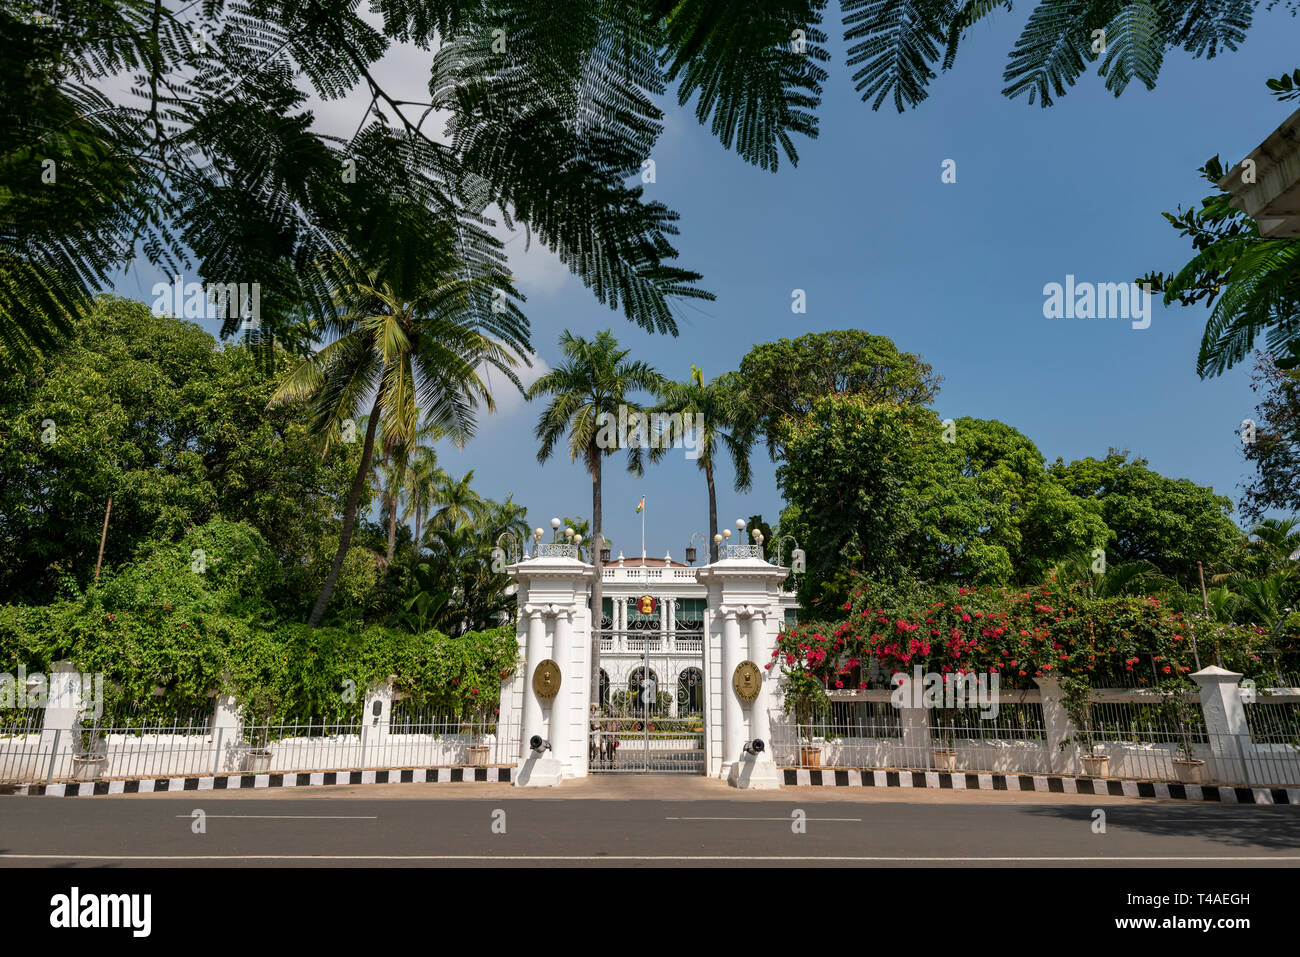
[(643, 529)]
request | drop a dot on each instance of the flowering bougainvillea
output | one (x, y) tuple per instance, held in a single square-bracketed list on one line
[(1021, 634)]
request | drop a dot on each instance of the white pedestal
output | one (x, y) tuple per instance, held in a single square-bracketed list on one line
[(755, 773), (538, 773)]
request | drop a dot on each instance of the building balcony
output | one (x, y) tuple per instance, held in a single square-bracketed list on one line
[(638, 642)]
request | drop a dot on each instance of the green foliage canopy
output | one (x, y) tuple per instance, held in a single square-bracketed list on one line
[(151, 411)]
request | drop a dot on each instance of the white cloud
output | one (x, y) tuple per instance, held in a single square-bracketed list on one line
[(403, 74), (535, 269), (509, 402)]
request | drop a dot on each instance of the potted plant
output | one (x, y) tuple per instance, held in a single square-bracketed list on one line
[(1076, 698), (1180, 712), (479, 750), (257, 759), (803, 692), (802, 653), (261, 689)]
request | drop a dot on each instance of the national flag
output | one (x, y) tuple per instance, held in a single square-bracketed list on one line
[(640, 505)]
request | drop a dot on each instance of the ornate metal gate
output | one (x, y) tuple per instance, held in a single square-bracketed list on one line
[(651, 717)]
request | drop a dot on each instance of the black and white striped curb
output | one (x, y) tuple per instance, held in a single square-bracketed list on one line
[(241, 782), (1044, 783)]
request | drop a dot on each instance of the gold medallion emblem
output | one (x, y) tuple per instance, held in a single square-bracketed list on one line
[(647, 604), (747, 680), (546, 679)]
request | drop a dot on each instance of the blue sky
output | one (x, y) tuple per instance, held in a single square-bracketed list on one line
[(954, 272)]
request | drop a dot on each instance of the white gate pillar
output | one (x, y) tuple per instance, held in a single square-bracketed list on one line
[(760, 724), (733, 716), (553, 588), (745, 592), (562, 712), (534, 653)]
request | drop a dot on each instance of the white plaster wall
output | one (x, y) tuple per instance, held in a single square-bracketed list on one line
[(168, 755)]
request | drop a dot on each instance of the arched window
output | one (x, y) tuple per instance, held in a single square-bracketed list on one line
[(644, 691), (690, 692)]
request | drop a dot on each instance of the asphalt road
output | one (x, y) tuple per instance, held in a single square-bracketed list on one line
[(409, 828)]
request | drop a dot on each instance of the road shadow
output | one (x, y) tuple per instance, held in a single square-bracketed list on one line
[(1239, 826)]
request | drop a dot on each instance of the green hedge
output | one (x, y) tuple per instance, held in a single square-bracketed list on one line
[(185, 620), (162, 661)]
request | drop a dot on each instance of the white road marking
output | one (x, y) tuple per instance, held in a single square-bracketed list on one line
[(787, 820), (621, 857), (291, 817)]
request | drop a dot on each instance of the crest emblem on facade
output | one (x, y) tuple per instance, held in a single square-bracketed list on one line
[(546, 679), (747, 680), (646, 604)]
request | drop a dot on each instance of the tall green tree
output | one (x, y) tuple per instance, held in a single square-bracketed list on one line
[(155, 413), (586, 391), (1171, 523), (892, 492), (720, 414), (785, 377), (1271, 443), (393, 468), (423, 477), (456, 502), (410, 358)]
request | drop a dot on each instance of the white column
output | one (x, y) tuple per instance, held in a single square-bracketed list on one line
[(561, 714), (61, 732), (759, 652), (914, 723), (226, 736), (733, 715), (1056, 726), (1225, 723), (376, 714), (535, 652)]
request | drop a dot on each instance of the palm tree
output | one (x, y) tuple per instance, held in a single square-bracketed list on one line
[(500, 518), (423, 476), (1275, 544), (720, 414), (395, 471), (591, 384), (389, 473), (408, 355), (1263, 583), (473, 592), (457, 502)]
